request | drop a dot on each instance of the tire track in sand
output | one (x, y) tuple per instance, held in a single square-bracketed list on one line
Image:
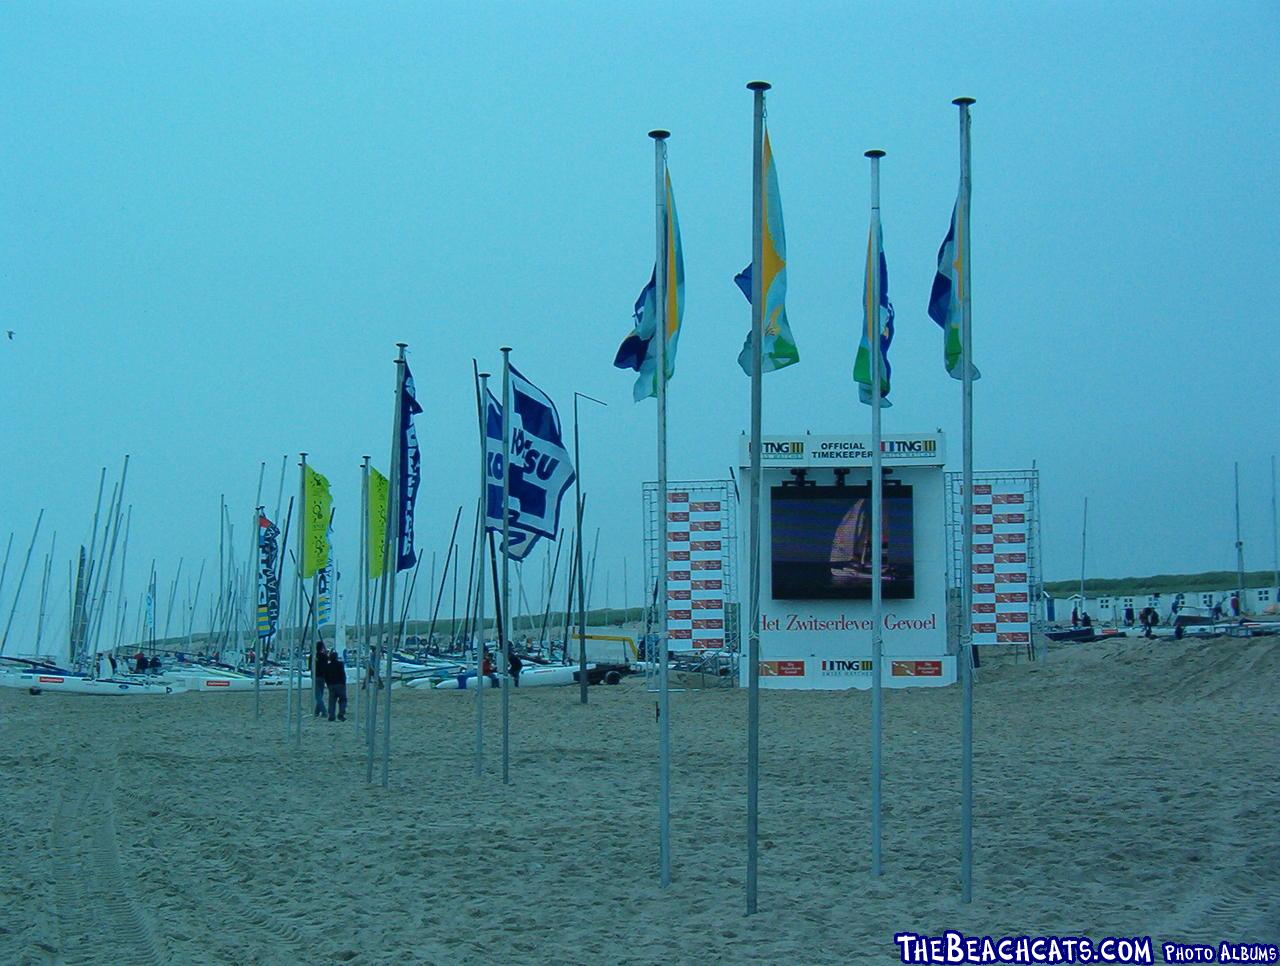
[(97, 916)]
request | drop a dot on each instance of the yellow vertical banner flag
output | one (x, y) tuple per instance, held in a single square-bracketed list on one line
[(379, 490), (316, 507)]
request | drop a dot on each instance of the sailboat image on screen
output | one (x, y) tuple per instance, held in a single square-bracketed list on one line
[(821, 543)]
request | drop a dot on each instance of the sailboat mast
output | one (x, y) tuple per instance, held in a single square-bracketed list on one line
[(1084, 530), (1239, 546), (44, 592)]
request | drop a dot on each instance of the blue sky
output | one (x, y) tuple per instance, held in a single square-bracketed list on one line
[(220, 218)]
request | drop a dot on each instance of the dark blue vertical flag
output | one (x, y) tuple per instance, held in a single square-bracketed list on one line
[(410, 472), (541, 468), (268, 612)]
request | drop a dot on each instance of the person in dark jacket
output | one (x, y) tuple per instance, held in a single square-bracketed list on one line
[(514, 666), (318, 666), (335, 675)]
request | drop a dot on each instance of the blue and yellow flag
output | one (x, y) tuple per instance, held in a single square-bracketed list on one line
[(779, 349), (946, 300), (639, 351), (877, 321)]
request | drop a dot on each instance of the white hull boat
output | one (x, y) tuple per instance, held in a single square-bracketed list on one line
[(533, 676), (74, 684)]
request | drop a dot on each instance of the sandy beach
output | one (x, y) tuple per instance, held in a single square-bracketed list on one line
[(1127, 788)]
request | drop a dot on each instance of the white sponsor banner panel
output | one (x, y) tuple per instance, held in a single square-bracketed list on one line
[(820, 636), (896, 449), (1001, 569), (696, 549)]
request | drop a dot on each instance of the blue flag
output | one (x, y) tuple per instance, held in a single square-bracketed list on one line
[(946, 297), (410, 472), (541, 470), (877, 326), (639, 350), (268, 610)]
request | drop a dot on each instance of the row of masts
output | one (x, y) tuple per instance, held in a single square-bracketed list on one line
[(161, 618)]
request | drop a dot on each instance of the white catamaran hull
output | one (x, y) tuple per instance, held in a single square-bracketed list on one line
[(530, 677), (109, 687)]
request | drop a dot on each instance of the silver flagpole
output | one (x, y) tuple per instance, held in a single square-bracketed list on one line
[(965, 657), (660, 332), (362, 593), (577, 545), (255, 559), (504, 631), (395, 520), (753, 606), (298, 656), (582, 606), (251, 602), (877, 511), (479, 624)]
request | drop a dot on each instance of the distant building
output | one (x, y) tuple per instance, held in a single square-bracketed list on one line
[(1105, 608)]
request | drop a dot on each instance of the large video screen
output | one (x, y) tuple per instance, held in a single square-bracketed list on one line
[(822, 543)]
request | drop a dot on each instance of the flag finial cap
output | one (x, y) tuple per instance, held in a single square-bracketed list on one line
[(658, 134), (963, 101), (484, 375), (759, 86), (874, 153)]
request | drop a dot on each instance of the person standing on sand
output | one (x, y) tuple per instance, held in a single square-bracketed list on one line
[(514, 667), (1149, 618), (335, 675), (318, 669)]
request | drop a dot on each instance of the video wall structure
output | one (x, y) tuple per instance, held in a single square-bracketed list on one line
[(815, 606), (1007, 582), (701, 520)]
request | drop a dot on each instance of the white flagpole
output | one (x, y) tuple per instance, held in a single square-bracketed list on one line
[(965, 657), (504, 632), (660, 332), (255, 562), (877, 511), (362, 592), (578, 502), (753, 607), (395, 520), (299, 652), (484, 519)]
